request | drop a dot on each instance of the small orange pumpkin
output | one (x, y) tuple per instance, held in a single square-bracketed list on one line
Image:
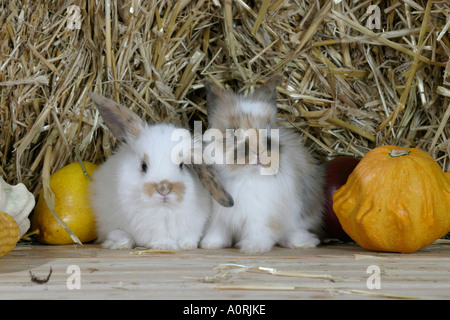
[(396, 199)]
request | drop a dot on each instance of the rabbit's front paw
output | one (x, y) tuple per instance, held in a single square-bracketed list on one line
[(213, 241), (188, 244), (301, 239), (118, 239), (255, 246)]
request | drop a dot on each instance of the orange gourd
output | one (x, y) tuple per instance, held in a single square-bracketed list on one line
[(396, 199)]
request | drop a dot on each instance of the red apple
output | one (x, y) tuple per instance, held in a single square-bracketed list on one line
[(337, 172)]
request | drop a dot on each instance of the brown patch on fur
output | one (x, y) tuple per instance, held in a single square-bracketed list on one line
[(249, 121), (165, 187), (179, 189), (149, 189)]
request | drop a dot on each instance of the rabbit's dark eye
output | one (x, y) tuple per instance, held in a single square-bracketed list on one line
[(144, 167)]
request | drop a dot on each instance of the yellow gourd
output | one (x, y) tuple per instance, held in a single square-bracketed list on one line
[(9, 233), (396, 199), (70, 187)]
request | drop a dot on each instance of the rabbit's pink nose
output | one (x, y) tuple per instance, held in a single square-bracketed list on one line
[(164, 187)]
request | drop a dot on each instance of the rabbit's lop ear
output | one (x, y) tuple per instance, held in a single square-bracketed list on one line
[(122, 122), (210, 179)]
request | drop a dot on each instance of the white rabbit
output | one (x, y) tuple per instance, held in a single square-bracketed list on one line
[(281, 205), (141, 196)]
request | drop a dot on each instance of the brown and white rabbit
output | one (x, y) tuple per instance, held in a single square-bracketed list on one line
[(142, 195), (276, 187)]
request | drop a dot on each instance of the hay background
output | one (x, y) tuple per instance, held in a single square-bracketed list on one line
[(345, 88)]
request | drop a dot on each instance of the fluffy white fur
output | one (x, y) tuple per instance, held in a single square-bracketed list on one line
[(283, 209), (127, 216)]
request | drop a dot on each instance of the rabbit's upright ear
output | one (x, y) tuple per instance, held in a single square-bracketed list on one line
[(215, 96), (210, 179), (122, 122), (268, 91), (214, 92)]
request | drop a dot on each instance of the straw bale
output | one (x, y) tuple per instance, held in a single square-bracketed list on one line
[(347, 86)]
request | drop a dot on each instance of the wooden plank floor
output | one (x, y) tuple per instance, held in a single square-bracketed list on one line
[(109, 274)]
